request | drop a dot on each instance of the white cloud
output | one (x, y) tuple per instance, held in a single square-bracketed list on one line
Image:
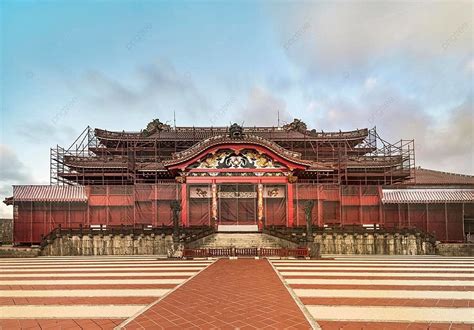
[(370, 83), (343, 35), (470, 66), (158, 88), (262, 109), (440, 143)]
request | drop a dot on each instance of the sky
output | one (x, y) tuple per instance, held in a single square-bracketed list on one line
[(405, 67)]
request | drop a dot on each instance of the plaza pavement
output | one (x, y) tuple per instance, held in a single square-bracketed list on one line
[(384, 292), (84, 292), (338, 292)]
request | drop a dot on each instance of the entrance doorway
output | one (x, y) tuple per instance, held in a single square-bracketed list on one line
[(237, 204)]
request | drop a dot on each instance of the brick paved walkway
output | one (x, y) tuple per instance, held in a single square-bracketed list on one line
[(243, 293), (84, 292), (385, 292)]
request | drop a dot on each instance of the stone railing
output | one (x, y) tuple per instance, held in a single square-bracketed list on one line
[(360, 240), (120, 240)]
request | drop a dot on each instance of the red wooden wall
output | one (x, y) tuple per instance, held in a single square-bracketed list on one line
[(150, 205)]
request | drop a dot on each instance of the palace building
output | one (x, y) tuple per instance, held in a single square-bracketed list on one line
[(243, 178)]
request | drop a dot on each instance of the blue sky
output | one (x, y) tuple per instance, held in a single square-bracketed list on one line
[(406, 68)]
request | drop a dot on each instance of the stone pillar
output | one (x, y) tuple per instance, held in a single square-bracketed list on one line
[(308, 211), (369, 243), (176, 208)]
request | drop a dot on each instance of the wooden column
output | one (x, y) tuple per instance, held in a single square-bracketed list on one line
[(408, 215), (88, 211), (107, 210), (290, 207), (463, 225), (184, 205), (214, 204), (260, 206), (381, 210), (399, 216), (319, 207), (446, 220), (154, 206), (427, 220)]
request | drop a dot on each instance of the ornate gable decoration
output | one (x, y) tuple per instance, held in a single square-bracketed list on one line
[(246, 159)]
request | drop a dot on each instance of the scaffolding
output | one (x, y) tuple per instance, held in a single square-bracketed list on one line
[(359, 157)]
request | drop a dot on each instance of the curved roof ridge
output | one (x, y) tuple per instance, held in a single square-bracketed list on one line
[(184, 155)]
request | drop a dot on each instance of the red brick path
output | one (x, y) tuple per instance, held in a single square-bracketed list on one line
[(242, 293), (341, 325), (59, 324)]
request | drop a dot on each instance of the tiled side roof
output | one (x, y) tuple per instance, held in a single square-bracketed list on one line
[(45, 193), (427, 196), (430, 177)]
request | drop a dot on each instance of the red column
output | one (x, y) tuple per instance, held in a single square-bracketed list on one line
[(154, 206), (320, 208), (184, 205), (290, 208)]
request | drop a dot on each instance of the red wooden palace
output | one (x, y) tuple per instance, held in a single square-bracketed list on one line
[(260, 176)]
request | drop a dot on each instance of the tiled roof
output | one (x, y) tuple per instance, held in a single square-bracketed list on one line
[(44, 193), (430, 177), (200, 133), (427, 196)]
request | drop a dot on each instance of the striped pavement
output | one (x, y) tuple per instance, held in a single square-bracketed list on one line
[(96, 292), (377, 292)]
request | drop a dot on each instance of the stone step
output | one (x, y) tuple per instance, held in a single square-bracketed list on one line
[(241, 240)]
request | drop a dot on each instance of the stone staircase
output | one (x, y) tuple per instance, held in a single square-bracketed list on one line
[(241, 240)]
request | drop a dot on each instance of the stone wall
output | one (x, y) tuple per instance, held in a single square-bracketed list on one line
[(162, 245), (370, 243), (455, 249), (6, 231), (95, 245), (18, 252)]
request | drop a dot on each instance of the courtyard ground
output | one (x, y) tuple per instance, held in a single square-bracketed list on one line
[(338, 292)]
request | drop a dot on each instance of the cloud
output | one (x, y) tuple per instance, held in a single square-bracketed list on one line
[(347, 34), (370, 83), (262, 108), (441, 142), (470, 66), (405, 67), (12, 171), (11, 168), (449, 143), (157, 87), (34, 131)]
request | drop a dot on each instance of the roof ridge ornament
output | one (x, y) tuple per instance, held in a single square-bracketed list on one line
[(236, 131), (296, 125), (155, 126)]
